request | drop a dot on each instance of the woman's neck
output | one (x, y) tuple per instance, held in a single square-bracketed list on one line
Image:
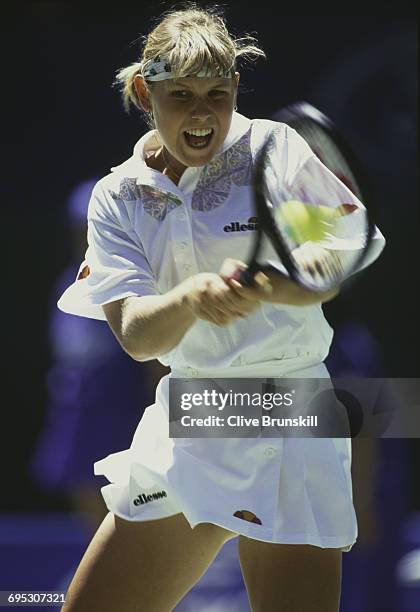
[(163, 162)]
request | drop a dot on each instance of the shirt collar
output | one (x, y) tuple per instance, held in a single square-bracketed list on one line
[(136, 167)]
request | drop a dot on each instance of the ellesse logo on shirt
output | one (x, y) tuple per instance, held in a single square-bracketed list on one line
[(142, 498), (237, 226)]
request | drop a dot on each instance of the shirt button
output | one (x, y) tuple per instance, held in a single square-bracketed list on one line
[(183, 245), (270, 451), (187, 267)]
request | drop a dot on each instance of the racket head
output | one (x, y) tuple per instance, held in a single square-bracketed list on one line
[(319, 231)]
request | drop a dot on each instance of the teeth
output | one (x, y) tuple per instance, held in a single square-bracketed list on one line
[(199, 132)]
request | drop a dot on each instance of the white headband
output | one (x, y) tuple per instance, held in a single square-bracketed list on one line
[(159, 69)]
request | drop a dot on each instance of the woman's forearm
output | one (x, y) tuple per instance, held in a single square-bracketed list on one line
[(155, 324), (286, 291)]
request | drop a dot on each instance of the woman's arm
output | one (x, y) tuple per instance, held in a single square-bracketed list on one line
[(273, 287), (152, 325), (286, 291)]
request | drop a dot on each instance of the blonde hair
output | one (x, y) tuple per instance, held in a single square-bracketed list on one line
[(191, 39)]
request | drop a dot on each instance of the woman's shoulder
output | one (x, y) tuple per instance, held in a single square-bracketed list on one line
[(282, 139), (112, 193), (121, 183), (273, 128), (122, 178)]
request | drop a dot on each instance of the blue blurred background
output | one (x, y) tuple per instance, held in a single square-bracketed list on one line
[(70, 395)]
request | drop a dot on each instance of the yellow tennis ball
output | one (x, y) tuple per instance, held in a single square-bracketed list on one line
[(304, 222), (326, 214)]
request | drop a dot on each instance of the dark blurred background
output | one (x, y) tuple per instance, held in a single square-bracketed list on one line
[(64, 124)]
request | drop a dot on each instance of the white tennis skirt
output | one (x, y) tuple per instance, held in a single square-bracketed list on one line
[(280, 490)]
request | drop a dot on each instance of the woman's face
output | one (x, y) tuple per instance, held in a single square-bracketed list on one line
[(193, 115)]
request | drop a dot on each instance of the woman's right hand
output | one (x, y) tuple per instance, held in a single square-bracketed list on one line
[(210, 298)]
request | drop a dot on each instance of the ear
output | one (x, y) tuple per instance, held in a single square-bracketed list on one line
[(142, 92)]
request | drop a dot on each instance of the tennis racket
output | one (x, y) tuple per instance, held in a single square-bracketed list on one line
[(318, 230)]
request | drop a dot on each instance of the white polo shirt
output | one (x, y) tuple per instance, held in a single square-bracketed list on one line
[(146, 235)]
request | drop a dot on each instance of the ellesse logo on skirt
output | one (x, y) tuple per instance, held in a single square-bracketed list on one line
[(142, 498)]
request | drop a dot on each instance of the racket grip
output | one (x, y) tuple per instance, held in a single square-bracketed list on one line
[(246, 277)]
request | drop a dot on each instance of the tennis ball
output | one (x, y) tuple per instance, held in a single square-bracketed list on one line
[(304, 222), (309, 222)]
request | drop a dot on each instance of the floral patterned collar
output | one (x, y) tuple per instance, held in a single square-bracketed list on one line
[(135, 166), (231, 165)]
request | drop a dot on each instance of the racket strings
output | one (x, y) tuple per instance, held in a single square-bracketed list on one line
[(327, 232), (317, 226)]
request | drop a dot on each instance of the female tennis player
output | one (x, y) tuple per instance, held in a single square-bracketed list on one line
[(163, 251)]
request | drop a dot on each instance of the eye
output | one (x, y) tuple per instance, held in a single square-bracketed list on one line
[(218, 93), (180, 94)]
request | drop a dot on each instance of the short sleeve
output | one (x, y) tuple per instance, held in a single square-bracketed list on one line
[(316, 184), (305, 178), (115, 265)]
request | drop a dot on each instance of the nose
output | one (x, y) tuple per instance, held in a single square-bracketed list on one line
[(200, 111)]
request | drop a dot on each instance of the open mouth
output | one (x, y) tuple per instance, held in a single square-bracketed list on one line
[(198, 139)]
